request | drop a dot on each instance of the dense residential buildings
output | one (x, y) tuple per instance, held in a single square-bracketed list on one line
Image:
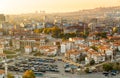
[(74, 41)]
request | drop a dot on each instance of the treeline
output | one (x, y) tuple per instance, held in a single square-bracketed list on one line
[(57, 32), (111, 66)]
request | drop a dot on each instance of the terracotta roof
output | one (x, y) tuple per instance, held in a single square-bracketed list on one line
[(27, 46), (48, 47), (2, 54), (1, 46), (114, 38), (2, 71), (73, 52)]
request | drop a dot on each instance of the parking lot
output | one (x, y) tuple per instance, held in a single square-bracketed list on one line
[(35, 64), (49, 68), (40, 66)]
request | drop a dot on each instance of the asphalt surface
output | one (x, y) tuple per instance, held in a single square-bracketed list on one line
[(63, 74)]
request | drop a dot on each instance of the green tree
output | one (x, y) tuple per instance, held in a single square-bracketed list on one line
[(84, 34), (116, 66), (115, 29), (92, 62), (107, 66), (94, 48), (47, 30), (87, 70), (10, 75), (104, 35), (101, 35), (56, 32), (10, 43), (41, 30), (29, 74), (81, 57), (36, 31)]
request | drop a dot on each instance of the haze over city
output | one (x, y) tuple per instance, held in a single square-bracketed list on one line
[(59, 38), (51, 6)]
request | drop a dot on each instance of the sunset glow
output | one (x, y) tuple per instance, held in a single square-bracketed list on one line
[(27, 6)]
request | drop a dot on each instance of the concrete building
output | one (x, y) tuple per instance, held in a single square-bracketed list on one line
[(1, 49), (28, 49), (2, 74)]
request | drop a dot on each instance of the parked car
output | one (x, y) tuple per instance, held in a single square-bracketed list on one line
[(68, 69), (38, 74), (106, 73)]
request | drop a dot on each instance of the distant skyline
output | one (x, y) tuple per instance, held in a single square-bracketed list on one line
[(52, 6)]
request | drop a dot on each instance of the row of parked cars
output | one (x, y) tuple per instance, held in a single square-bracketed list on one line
[(70, 68), (35, 64), (111, 73)]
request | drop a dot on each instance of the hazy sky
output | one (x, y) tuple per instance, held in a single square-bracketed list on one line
[(26, 6)]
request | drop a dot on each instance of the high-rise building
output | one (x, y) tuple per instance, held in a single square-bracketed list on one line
[(2, 17), (44, 21)]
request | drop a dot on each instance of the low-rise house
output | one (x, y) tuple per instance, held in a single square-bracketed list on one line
[(16, 43), (77, 40), (72, 55), (28, 49), (96, 56), (27, 42), (51, 52), (106, 49), (66, 45), (48, 50), (116, 45), (81, 46), (2, 74), (34, 48), (93, 42), (87, 60), (42, 41), (63, 48)]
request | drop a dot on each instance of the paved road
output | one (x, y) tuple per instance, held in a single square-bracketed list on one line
[(97, 75), (58, 75), (62, 74)]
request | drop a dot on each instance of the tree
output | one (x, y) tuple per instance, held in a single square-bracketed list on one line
[(36, 31), (10, 43), (56, 31), (81, 57), (84, 34), (107, 67), (47, 30), (114, 30), (104, 35), (116, 66), (10, 75), (87, 70), (101, 35), (92, 62), (29, 74), (94, 48)]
